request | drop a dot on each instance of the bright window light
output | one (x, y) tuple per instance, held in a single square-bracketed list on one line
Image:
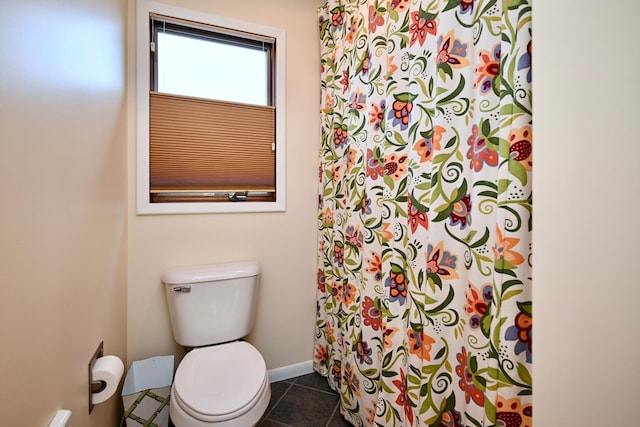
[(210, 69)]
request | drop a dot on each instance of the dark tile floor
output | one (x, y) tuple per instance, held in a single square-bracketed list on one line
[(305, 401)]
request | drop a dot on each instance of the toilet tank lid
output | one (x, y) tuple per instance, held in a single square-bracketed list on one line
[(210, 272)]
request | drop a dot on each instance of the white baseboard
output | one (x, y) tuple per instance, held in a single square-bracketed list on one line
[(291, 371)]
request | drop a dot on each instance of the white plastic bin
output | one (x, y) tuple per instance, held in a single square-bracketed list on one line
[(146, 392)]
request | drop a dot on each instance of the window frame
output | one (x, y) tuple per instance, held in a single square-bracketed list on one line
[(201, 31), (145, 9)]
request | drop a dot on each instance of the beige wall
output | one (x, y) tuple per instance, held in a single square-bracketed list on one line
[(63, 215), (283, 243), (586, 204)]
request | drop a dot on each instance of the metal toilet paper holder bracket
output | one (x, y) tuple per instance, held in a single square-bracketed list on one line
[(95, 386)]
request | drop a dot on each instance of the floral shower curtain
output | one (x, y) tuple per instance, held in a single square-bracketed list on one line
[(424, 259)]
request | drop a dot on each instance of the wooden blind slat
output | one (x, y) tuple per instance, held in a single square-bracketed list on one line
[(199, 143)]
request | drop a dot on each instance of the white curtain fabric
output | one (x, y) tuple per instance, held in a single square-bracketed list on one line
[(424, 253)]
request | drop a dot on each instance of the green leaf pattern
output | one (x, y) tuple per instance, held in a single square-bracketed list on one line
[(424, 253)]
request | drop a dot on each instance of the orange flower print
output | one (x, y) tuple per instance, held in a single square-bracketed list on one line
[(322, 355), (345, 81), (487, 69), (461, 213), (400, 112), (337, 17), (417, 218), (374, 266), (428, 145), (512, 413), (366, 65), (338, 254), (477, 303), (395, 166), (358, 101), (438, 131), (327, 218), (466, 383), (375, 20), (337, 375), (329, 103), (441, 261), (421, 25), (522, 333), (387, 333), (352, 30), (354, 236), (503, 249), (371, 314), (391, 66), (397, 284), (351, 379), (322, 281), (336, 173), (386, 234), (351, 158), (371, 412), (376, 114), (479, 153), (330, 336), (399, 5), (340, 134), (345, 293), (364, 352), (452, 51), (520, 146), (451, 418), (420, 344), (403, 399), (374, 165)]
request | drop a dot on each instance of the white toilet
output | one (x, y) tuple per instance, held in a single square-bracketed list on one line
[(222, 381)]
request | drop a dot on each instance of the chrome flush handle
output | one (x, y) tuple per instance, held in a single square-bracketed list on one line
[(185, 289)]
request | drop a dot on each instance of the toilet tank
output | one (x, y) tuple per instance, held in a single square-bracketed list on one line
[(211, 304)]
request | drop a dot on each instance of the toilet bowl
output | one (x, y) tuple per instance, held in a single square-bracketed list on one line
[(222, 381), (222, 385)]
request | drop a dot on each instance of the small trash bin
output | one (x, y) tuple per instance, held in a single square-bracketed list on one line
[(146, 392)]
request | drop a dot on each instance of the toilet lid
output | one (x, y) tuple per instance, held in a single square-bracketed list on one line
[(220, 379)]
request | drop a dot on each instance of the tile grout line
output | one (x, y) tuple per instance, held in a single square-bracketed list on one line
[(337, 408), (279, 400), (332, 393), (309, 387)]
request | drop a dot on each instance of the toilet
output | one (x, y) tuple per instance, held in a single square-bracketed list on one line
[(222, 380)]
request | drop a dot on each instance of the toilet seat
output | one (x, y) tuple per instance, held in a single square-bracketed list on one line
[(221, 382)]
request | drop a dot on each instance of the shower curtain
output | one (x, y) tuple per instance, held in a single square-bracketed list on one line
[(424, 310)]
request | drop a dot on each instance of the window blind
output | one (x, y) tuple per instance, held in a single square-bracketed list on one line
[(200, 147)]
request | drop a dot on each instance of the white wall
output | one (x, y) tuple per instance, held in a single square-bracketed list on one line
[(283, 243), (586, 204), (63, 210)]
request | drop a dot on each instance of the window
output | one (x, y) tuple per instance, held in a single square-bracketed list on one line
[(210, 95)]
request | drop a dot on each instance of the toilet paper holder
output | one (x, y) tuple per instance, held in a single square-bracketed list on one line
[(95, 386)]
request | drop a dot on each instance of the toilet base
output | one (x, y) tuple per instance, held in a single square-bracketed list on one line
[(250, 418)]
